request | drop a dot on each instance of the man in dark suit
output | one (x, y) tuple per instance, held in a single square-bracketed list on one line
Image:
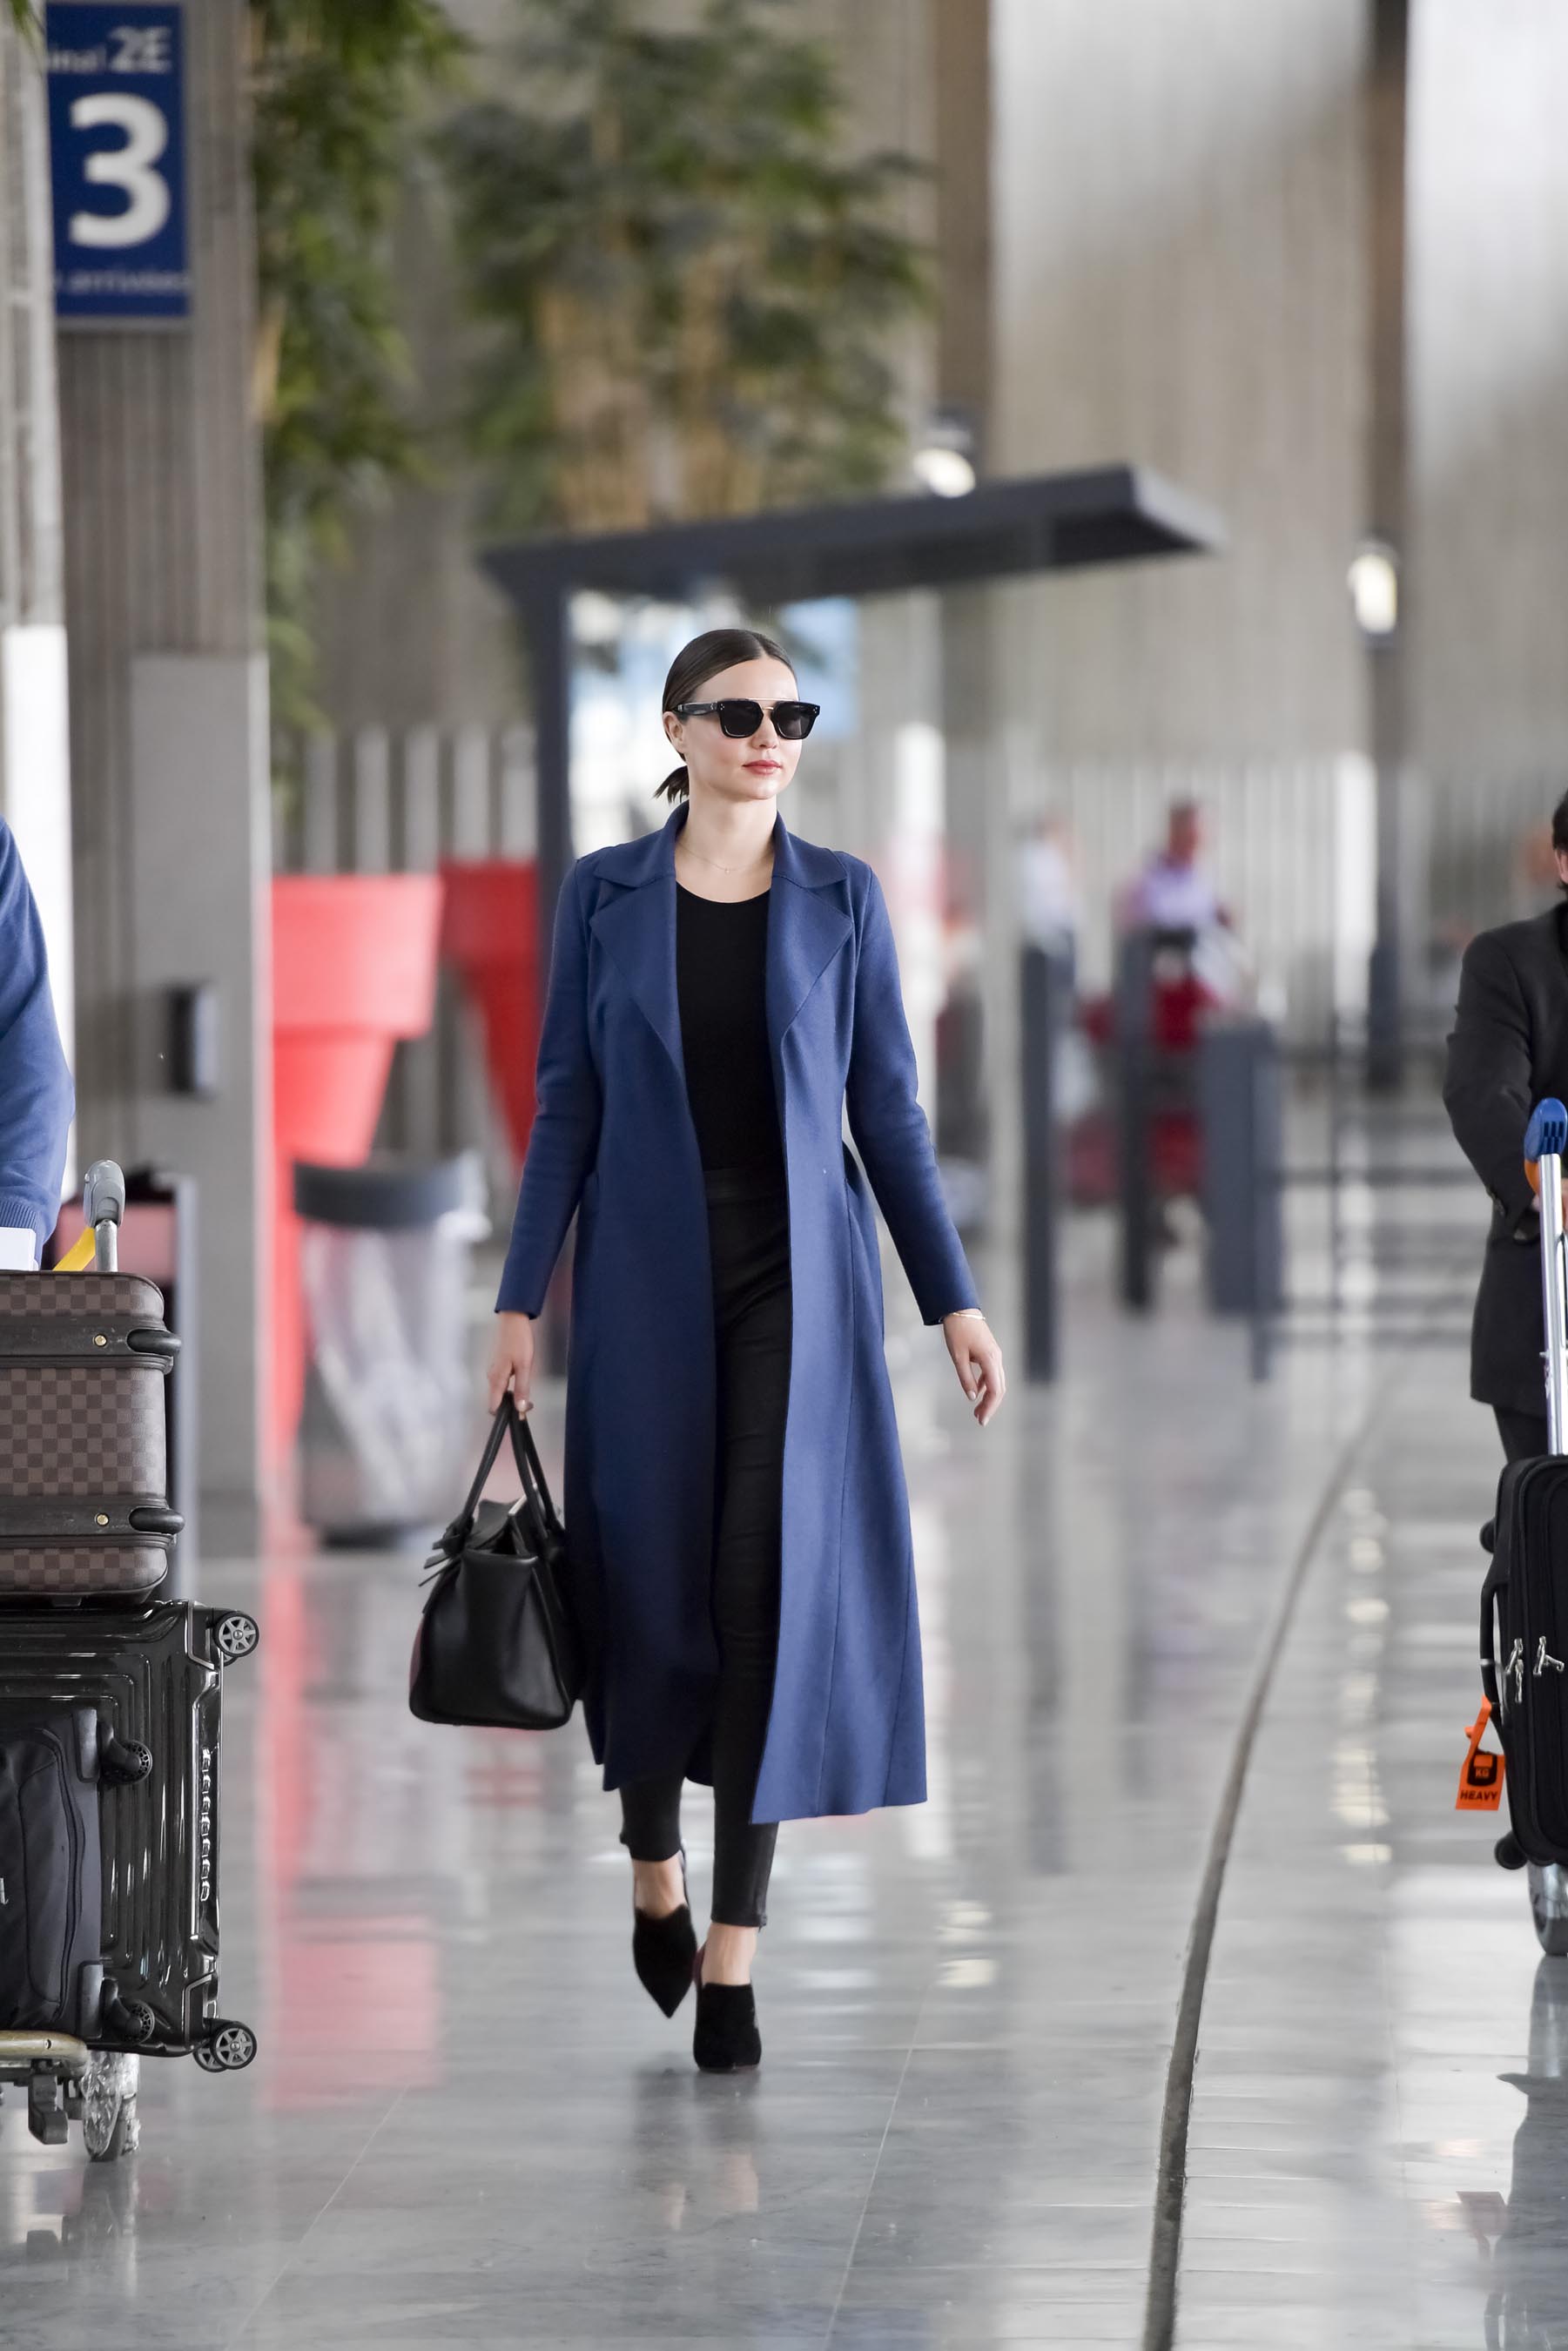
[(1508, 1047)]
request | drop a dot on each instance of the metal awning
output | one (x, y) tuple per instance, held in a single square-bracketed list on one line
[(877, 547)]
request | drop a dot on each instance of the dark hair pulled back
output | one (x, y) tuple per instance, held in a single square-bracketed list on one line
[(715, 650)]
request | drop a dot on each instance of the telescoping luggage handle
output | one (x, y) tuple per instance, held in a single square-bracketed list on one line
[(103, 1205), (1545, 1146)]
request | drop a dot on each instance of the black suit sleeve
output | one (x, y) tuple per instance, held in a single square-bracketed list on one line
[(1489, 1088)]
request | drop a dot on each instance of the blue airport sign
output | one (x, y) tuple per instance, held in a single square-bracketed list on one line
[(117, 150)]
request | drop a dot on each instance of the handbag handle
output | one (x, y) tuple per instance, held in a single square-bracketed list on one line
[(462, 1525), (507, 1421), (530, 1469)]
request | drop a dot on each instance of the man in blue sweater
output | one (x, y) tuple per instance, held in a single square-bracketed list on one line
[(37, 1098)]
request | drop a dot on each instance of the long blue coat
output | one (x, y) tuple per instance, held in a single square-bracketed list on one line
[(614, 1140)]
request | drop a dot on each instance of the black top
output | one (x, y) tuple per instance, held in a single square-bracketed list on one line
[(721, 964), (1508, 1047)]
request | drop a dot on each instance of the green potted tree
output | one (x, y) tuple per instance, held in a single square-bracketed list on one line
[(687, 290)]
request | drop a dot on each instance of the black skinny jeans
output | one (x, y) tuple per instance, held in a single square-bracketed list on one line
[(748, 1232)]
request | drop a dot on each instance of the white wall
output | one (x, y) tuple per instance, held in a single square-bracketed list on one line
[(1488, 583), (1178, 281)]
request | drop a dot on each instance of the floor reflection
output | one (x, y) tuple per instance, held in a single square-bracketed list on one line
[(697, 2148), (1529, 2303), (362, 1835), (52, 2209)]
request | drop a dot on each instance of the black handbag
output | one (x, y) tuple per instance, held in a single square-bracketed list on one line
[(496, 1642)]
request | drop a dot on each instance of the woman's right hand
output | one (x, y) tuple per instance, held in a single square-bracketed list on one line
[(511, 1364)]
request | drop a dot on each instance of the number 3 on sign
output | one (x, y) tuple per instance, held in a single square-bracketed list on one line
[(128, 168)]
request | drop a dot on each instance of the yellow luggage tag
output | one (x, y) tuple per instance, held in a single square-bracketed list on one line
[(1480, 1781), (79, 1254)]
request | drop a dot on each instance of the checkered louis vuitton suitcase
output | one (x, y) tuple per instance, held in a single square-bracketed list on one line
[(84, 1356)]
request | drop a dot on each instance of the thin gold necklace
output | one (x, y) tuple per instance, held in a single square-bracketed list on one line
[(726, 868)]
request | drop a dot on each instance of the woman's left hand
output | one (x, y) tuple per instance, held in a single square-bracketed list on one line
[(978, 1360)]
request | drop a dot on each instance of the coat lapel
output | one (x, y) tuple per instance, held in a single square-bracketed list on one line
[(808, 923), (636, 927)]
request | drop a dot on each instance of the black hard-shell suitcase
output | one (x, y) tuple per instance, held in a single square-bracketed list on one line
[(152, 1677)]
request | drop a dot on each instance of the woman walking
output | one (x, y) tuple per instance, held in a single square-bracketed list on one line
[(720, 991)]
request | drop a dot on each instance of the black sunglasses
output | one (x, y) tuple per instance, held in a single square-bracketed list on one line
[(794, 720)]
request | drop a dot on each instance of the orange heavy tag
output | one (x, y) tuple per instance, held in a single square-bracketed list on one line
[(1480, 1782)]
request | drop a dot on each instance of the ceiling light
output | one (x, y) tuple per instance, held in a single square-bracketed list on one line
[(1374, 581), (946, 472)]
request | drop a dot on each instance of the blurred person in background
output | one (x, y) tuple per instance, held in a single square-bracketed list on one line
[(1176, 893), (1048, 913), (1507, 1050), (736, 1508), (37, 1097)]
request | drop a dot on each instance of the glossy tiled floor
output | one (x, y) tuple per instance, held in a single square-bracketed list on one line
[(469, 2126), (1380, 2023)]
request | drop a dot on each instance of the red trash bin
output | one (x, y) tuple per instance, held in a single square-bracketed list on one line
[(353, 969)]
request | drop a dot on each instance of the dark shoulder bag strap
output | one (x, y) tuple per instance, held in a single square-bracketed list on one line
[(530, 1469), (505, 1415)]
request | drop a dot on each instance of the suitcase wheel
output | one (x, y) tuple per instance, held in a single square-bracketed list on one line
[(109, 2121), (123, 1762), (129, 2019), (236, 1636), (227, 2049)]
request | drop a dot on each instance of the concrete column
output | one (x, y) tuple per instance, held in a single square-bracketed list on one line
[(34, 764), (1487, 570), (1387, 81), (168, 718), (1179, 275), (961, 81), (979, 1117)]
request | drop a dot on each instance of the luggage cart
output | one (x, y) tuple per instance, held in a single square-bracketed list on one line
[(117, 1659)]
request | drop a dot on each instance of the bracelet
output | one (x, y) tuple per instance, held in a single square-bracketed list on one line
[(963, 1310)]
